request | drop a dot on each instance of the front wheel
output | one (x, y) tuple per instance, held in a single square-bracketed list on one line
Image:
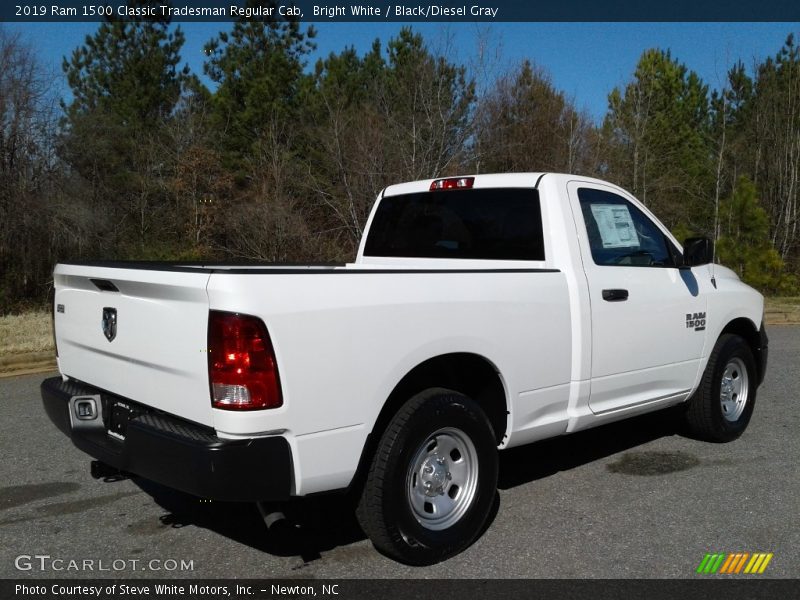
[(433, 479), (720, 409)]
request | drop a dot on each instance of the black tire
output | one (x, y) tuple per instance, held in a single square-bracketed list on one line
[(390, 496), (707, 417)]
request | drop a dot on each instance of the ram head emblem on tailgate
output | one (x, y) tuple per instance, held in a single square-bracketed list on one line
[(110, 323)]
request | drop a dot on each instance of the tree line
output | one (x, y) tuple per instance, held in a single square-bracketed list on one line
[(282, 160)]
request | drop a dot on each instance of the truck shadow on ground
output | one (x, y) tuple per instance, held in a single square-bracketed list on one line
[(312, 525), (319, 524), (524, 464)]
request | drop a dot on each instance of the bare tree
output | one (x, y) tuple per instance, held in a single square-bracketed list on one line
[(26, 165), (525, 124)]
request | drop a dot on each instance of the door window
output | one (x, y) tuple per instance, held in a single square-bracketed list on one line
[(622, 235)]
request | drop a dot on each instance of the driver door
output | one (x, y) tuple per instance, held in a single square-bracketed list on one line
[(642, 349)]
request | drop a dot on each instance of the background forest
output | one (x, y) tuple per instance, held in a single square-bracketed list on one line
[(283, 159)]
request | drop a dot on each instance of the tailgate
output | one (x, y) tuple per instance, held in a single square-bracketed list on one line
[(139, 333)]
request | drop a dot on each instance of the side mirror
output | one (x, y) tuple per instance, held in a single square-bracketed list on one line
[(697, 251)]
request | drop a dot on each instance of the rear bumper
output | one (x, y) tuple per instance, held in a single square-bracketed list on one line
[(174, 452)]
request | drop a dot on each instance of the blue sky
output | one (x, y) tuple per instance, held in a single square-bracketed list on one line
[(585, 60)]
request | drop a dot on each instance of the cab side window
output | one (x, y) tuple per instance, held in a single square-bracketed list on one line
[(620, 234)]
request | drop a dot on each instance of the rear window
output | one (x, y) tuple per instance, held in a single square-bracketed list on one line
[(496, 223)]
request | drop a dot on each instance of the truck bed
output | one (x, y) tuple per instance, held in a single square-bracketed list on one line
[(341, 343)]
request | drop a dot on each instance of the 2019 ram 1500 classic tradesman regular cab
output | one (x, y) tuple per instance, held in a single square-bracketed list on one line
[(481, 313)]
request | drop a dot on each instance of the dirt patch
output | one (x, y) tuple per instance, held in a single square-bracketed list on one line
[(27, 364)]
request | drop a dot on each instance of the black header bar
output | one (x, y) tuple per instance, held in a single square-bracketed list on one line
[(709, 588), (407, 10)]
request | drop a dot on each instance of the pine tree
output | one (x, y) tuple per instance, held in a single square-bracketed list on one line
[(658, 143), (258, 69), (128, 70), (427, 102), (125, 82), (745, 246)]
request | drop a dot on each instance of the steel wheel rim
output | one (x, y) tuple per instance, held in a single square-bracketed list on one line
[(442, 479), (734, 389)]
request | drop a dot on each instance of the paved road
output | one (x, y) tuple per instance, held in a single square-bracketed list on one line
[(626, 500)]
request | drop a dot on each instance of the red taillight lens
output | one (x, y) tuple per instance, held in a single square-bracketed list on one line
[(452, 183), (241, 363)]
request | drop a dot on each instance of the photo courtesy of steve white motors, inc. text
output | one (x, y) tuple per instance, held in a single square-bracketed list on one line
[(194, 590)]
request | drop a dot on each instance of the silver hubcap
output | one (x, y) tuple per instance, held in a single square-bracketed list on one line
[(443, 478), (733, 389)]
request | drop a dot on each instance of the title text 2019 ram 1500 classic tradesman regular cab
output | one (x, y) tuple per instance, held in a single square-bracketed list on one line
[(482, 312)]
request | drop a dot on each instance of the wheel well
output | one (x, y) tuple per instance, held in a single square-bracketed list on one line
[(745, 329), (470, 374)]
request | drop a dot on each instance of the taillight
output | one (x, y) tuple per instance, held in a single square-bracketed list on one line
[(241, 363), (452, 183)]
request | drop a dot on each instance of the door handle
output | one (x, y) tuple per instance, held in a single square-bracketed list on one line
[(615, 295)]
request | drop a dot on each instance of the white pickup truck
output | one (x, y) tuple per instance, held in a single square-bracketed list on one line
[(481, 313)]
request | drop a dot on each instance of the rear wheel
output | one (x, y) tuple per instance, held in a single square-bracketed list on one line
[(433, 480), (720, 409)]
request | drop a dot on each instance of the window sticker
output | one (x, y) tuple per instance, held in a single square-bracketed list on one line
[(615, 225)]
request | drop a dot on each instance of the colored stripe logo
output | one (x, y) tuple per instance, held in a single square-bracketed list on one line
[(734, 563)]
